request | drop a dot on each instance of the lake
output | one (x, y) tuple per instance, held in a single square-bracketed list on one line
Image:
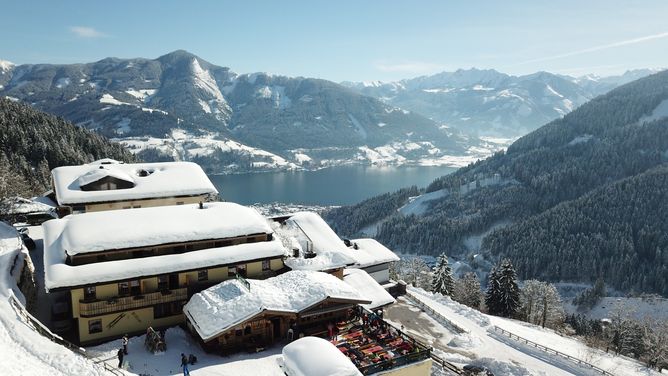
[(342, 185)]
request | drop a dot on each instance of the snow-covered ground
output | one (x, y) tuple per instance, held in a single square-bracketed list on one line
[(140, 361), (481, 345)]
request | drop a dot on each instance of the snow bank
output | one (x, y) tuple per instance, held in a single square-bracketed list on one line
[(219, 308), (311, 356), (166, 179)]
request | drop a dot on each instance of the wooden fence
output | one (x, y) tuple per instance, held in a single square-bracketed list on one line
[(550, 350)]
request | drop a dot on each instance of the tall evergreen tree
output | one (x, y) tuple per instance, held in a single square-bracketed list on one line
[(503, 295), (442, 281)]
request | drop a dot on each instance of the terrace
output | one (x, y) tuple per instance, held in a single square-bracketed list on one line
[(374, 345)]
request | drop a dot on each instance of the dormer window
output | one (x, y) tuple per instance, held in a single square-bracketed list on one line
[(105, 178)]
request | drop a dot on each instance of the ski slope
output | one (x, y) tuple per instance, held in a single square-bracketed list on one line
[(505, 356)]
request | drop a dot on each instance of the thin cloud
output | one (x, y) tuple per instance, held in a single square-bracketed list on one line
[(410, 67), (86, 32), (598, 48)]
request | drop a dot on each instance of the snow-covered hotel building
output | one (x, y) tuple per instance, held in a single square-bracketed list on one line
[(108, 185), (126, 270)]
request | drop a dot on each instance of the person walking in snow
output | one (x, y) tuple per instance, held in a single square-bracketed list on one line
[(120, 358), (184, 364), (125, 344)]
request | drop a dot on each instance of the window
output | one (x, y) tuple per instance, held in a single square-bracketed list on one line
[(123, 288), (202, 275), (247, 330), (163, 282), (241, 270), (135, 287), (94, 326), (179, 202), (266, 265), (89, 293), (231, 271), (136, 206)]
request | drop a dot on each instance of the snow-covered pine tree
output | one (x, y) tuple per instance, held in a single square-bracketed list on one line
[(467, 290), (503, 295), (442, 281)]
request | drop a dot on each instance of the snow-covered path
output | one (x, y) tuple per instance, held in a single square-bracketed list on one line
[(508, 357)]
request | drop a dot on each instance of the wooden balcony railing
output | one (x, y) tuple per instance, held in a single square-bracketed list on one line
[(125, 303)]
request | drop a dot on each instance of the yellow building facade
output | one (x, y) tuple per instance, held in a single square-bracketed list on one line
[(111, 310)]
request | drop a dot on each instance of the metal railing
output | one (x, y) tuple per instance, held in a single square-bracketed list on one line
[(101, 307), (550, 350), (446, 365), (436, 315), (40, 328)]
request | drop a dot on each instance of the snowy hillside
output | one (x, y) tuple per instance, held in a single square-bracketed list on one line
[(481, 344)]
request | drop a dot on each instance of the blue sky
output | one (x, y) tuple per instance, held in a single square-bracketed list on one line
[(347, 40)]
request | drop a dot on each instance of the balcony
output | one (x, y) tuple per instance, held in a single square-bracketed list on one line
[(125, 303)]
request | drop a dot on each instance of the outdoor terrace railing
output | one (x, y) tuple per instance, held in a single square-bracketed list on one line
[(397, 361), (118, 304), (420, 352)]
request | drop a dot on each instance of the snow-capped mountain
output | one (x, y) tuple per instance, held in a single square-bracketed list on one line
[(491, 103), (181, 106)]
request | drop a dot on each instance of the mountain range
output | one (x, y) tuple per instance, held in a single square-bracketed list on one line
[(490, 103), (180, 106), (582, 197)]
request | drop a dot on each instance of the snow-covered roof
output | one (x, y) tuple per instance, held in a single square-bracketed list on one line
[(58, 274), (310, 356), (367, 286), (20, 205), (221, 307), (165, 179), (370, 252), (120, 229), (307, 231)]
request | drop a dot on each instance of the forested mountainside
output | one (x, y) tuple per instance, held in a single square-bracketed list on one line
[(613, 137), (32, 143), (491, 103), (180, 106), (619, 231)]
